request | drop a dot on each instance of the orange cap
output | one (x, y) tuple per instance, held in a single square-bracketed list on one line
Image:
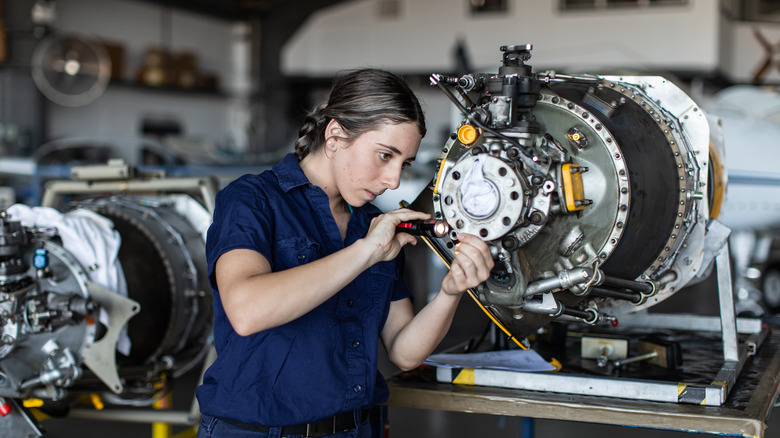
[(467, 134)]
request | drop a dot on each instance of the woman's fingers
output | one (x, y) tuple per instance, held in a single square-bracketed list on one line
[(405, 214), (471, 265), (382, 232), (478, 252)]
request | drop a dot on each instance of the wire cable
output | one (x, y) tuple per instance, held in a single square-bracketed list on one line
[(472, 293)]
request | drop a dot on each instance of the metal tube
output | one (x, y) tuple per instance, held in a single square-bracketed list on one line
[(544, 306), (136, 416), (621, 362), (436, 79), (564, 280), (577, 313), (728, 317), (627, 284), (634, 297)]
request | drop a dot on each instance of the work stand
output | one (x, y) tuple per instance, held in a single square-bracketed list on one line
[(729, 385), (712, 392), (735, 354), (161, 418), (709, 393)]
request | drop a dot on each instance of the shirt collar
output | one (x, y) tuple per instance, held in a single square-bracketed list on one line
[(290, 176), (289, 173)]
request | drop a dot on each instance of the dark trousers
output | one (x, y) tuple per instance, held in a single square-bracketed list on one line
[(212, 427)]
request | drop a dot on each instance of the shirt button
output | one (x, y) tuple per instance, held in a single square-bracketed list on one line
[(350, 303), (357, 388), (356, 344), (301, 257)]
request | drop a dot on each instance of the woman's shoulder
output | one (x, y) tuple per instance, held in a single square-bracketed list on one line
[(250, 190), (262, 182)]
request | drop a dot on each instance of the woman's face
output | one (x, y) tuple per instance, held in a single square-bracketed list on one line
[(372, 163)]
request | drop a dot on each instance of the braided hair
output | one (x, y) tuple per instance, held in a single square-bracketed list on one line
[(360, 101)]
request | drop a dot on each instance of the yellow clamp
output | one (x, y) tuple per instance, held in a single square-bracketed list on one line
[(573, 189)]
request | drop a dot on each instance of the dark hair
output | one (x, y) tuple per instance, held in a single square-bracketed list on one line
[(360, 101)]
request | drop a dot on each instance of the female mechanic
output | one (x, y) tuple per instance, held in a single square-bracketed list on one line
[(307, 275)]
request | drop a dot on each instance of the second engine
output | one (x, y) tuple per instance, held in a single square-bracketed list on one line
[(108, 300)]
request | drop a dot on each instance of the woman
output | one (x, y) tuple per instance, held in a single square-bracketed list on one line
[(307, 275)]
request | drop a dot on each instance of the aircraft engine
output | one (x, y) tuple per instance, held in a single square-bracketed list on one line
[(62, 327), (594, 192)]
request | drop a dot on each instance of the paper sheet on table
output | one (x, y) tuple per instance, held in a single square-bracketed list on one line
[(512, 360)]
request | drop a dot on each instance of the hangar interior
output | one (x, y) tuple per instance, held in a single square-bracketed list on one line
[(140, 110)]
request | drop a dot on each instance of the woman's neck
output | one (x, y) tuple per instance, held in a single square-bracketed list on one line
[(317, 169)]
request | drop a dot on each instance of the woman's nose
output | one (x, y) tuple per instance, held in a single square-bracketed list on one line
[(393, 178)]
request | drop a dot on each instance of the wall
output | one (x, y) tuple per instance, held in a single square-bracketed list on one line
[(420, 40), (423, 37), (21, 105), (221, 47), (743, 54)]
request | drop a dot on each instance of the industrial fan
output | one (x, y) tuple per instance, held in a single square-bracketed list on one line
[(70, 70)]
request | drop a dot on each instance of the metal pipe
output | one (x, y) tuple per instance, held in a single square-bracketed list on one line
[(588, 316), (581, 314), (550, 306), (182, 418), (628, 284), (564, 280), (437, 79), (634, 297), (621, 362)]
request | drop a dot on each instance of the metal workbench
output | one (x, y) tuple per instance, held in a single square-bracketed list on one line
[(744, 413)]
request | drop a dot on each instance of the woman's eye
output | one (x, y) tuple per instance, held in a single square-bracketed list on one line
[(405, 165), (384, 156)]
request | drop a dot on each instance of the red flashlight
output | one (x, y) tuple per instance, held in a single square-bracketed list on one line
[(424, 227)]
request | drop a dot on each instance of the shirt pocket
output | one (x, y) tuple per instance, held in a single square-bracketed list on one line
[(383, 276), (385, 271), (294, 251)]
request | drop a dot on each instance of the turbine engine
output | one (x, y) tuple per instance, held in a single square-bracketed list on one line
[(67, 307), (594, 193)]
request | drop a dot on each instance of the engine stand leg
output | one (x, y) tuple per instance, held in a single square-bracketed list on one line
[(162, 430), (728, 316)]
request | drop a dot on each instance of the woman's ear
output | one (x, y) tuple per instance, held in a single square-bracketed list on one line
[(333, 133)]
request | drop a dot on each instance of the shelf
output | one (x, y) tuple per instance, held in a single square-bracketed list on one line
[(130, 85)]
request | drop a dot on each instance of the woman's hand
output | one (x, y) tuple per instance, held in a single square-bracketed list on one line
[(470, 267), (384, 241), (410, 339)]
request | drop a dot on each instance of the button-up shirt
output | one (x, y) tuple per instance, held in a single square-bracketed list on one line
[(324, 362)]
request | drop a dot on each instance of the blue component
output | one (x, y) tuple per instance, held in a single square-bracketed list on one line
[(41, 259)]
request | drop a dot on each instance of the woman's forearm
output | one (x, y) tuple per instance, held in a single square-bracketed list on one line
[(267, 299), (416, 340)]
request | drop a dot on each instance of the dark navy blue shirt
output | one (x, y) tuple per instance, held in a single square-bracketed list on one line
[(322, 363)]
